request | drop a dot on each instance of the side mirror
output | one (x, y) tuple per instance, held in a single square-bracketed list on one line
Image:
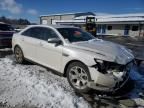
[(57, 41)]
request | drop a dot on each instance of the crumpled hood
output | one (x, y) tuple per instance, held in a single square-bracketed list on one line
[(115, 52)]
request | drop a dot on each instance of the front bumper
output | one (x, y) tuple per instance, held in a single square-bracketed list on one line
[(106, 82), (105, 88)]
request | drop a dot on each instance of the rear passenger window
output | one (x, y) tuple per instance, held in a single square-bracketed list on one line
[(27, 33), (35, 32), (40, 33)]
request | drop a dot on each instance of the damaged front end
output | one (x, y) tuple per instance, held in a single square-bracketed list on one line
[(111, 76)]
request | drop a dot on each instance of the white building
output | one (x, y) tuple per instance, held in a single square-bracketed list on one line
[(123, 24)]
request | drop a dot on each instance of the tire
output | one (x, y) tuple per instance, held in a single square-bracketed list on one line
[(78, 77), (19, 55)]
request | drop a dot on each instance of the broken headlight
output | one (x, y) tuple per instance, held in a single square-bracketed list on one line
[(108, 67), (100, 66)]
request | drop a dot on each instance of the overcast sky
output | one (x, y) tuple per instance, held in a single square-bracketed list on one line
[(32, 9)]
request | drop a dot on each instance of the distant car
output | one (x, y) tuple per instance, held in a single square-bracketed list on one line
[(87, 62), (17, 30), (6, 33)]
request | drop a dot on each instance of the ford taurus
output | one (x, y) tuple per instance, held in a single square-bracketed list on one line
[(87, 62)]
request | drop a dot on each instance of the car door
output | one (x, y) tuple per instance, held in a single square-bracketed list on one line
[(29, 40), (49, 54)]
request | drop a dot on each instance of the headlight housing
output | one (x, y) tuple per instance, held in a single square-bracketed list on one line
[(100, 66), (108, 67)]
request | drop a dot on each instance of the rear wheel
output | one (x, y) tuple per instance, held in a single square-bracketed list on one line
[(78, 76), (19, 55)]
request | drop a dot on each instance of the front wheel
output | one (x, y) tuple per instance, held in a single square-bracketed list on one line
[(78, 76)]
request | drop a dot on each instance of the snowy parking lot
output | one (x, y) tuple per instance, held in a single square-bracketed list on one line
[(32, 86)]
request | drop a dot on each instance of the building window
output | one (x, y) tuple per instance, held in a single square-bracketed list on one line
[(109, 27), (45, 22), (135, 28), (99, 29)]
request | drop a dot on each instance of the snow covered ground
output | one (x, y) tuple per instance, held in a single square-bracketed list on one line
[(32, 86)]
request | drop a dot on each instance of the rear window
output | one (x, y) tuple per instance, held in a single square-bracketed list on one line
[(5, 27)]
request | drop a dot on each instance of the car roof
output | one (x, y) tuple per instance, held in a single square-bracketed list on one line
[(54, 26)]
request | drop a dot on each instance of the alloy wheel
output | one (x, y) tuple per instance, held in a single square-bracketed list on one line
[(18, 54), (78, 77)]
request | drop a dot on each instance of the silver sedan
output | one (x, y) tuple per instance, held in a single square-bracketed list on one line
[(87, 62)]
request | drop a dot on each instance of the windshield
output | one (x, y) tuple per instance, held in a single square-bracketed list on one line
[(75, 34)]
